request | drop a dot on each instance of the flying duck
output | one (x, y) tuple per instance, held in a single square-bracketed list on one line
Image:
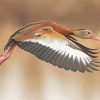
[(55, 44)]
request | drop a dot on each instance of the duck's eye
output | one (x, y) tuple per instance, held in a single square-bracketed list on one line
[(89, 32)]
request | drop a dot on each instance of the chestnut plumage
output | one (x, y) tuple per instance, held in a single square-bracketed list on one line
[(55, 44)]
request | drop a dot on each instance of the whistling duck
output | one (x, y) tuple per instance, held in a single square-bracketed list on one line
[(55, 44)]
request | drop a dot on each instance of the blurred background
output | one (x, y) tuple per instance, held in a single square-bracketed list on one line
[(25, 77)]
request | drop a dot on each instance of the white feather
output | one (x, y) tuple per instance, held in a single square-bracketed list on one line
[(62, 47)]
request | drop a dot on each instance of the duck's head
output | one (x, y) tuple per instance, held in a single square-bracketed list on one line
[(86, 34)]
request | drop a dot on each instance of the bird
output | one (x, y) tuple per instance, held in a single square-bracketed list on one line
[(55, 44)]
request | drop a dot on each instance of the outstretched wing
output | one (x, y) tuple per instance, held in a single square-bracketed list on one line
[(64, 52)]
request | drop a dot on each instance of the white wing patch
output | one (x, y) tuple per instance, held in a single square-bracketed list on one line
[(63, 48)]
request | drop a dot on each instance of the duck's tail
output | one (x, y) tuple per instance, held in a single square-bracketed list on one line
[(8, 50)]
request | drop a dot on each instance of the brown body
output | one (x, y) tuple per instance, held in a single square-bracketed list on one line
[(24, 34), (47, 32)]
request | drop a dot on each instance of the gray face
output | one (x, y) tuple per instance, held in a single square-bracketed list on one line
[(83, 33)]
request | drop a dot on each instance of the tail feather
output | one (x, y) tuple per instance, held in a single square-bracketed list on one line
[(10, 43)]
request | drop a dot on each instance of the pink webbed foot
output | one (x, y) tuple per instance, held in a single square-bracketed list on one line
[(6, 54)]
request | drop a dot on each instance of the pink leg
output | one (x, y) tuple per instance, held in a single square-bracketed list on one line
[(7, 54)]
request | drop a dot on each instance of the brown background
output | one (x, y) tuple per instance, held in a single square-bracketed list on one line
[(23, 76)]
